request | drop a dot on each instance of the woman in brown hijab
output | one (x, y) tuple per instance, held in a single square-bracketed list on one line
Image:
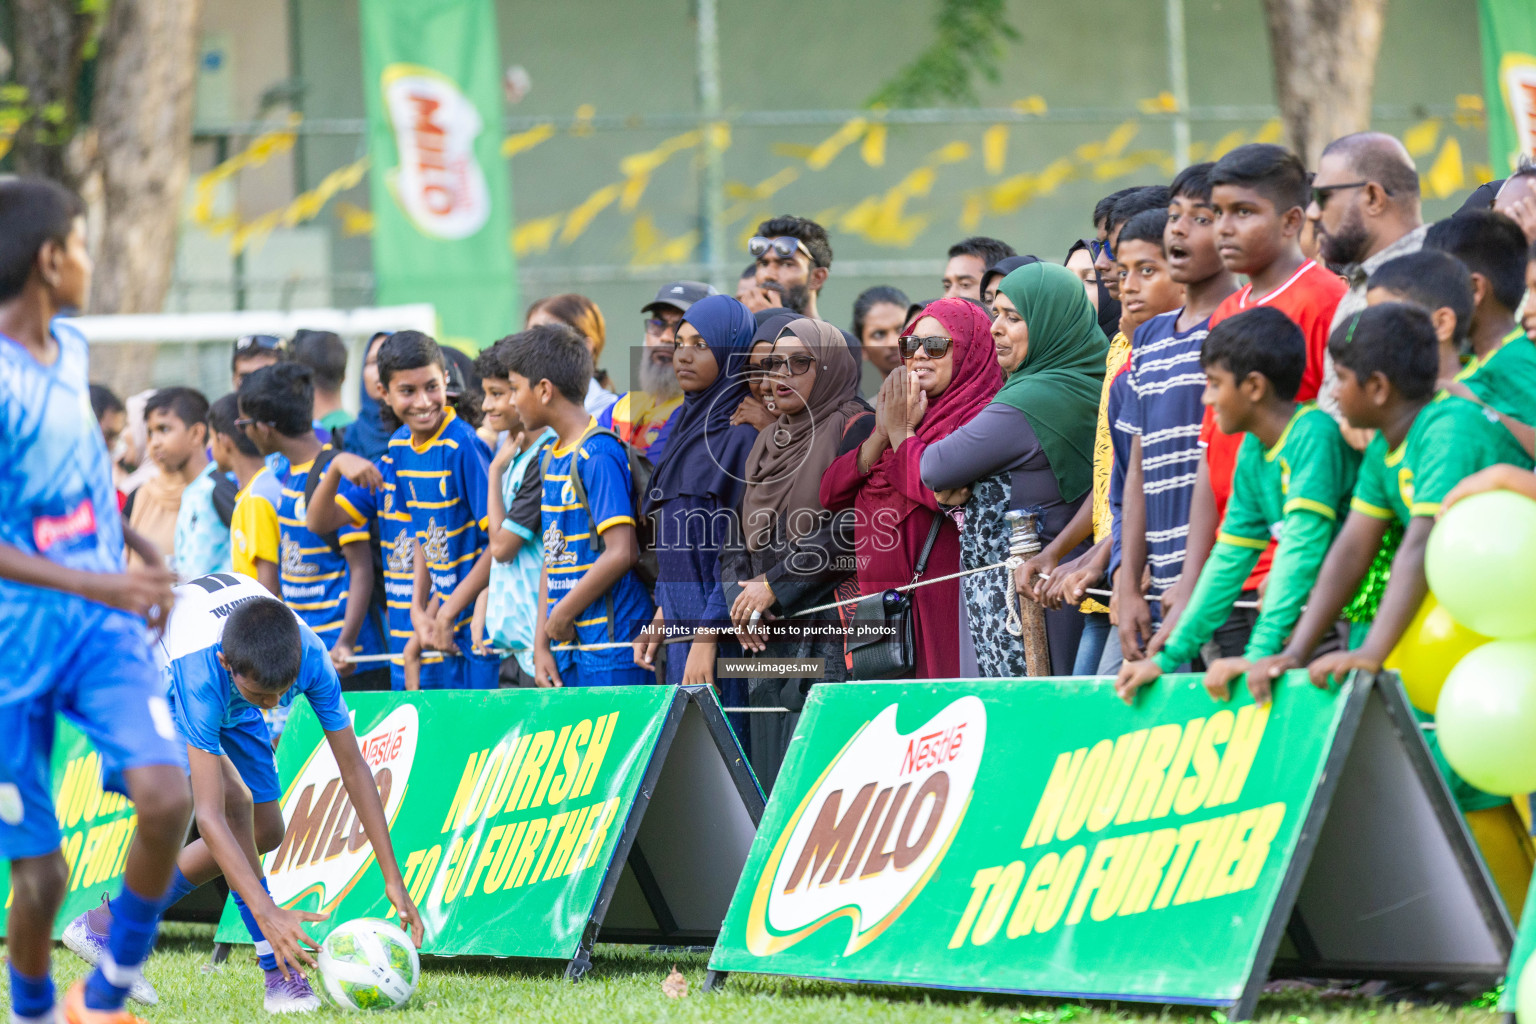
[(794, 553)]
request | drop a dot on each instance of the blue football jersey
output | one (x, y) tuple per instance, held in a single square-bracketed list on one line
[(568, 540), (395, 541), (443, 485), (315, 576), (56, 496), (202, 695)]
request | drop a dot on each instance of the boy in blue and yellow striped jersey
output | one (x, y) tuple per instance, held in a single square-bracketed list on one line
[(589, 594), (328, 585), (440, 479)]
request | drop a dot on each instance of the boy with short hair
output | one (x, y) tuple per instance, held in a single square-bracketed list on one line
[(254, 533), (69, 608), (1146, 291), (1438, 284), (588, 590), (327, 580), (1502, 371), (252, 352), (326, 356), (202, 523), (514, 498), (229, 652), (1387, 358), (1260, 195), (440, 473), (1294, 478), (175, 422)]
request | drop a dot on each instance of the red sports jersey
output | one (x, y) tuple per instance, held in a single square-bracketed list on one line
[(1309, 298)]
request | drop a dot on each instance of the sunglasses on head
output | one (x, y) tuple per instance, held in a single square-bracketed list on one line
[(258, 343), (936, 346), (784, 246)]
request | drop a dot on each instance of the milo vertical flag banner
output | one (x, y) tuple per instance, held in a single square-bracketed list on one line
[(1508, 32), (1041, 837), (523, 820), (441, 193)]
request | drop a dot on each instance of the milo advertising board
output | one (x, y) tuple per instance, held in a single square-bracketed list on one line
[(1040, 836), (513, 813)]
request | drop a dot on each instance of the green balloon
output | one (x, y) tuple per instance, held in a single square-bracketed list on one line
[(1525, 993), (1481, 564), (1486, 718)]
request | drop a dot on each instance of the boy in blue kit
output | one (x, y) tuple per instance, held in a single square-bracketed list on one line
[(507, 611), (68, 607), (440, 474), (230, 651), (588, 591), (326, 579)]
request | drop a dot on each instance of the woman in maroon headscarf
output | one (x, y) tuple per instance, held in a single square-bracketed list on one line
[(949, 372)]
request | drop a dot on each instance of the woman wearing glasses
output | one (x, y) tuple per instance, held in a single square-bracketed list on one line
[(1031, 447), (793, 553), (949, 372)]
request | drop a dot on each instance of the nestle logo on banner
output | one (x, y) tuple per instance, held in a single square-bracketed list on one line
[(79, 521), (934, 748), (324, 848), (872, 831), (439, 182)]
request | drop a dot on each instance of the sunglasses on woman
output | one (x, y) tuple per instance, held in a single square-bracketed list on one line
[(798, 365), (935, 346)]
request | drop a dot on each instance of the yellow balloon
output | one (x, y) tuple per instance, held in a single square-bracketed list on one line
[(1431, 646)]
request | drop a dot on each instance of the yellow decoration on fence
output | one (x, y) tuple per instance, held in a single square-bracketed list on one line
[(1272, 131), (583, 123), (1470, 112), (355, 220), (261, 149), (580, 218), (872, 151), (994, 148), (535, 235), (305, 206), (652, 248), (826, 151), (1162, 103), (1447, 175), (1030, 105), (1421, 138), (524, 141)]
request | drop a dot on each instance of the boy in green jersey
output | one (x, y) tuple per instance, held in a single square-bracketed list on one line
[(1425, 445), (1294, 476), (1438, 283), (1502, 371)]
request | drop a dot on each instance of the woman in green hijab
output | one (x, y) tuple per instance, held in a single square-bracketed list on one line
[(1031, 448)]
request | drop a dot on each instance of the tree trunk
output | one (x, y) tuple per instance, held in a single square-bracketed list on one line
[(1324, 53), (142, 117), (50, 45)]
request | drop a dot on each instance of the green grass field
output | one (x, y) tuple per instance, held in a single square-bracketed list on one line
[(625, 985)]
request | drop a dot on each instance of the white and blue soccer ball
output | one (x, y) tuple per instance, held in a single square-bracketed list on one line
[(368, 964)]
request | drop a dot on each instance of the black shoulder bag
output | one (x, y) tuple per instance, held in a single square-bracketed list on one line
[(882, 645)]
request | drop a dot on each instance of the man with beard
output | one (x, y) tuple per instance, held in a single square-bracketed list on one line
[(640, 416), (1365, 210), (793, 259)]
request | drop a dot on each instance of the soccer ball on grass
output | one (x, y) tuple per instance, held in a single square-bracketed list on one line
[(368, 964)]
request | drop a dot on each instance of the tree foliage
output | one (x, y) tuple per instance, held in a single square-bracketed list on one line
[(970, 38)]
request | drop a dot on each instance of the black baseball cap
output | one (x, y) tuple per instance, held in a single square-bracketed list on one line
[(679, 295), (1006, 266)]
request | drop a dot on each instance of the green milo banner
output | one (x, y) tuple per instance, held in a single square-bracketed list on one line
[(505, 809), (1040, 836), (96, 828), (1508, 32), (440, 188)]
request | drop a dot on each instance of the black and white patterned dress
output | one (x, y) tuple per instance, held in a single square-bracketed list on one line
[(999, 654)]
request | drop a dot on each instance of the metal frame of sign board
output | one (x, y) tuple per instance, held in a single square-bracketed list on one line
[(1310, 961), (626, 852), (1357, 692)]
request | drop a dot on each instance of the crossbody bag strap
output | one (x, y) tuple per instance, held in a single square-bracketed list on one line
[(933, 535)]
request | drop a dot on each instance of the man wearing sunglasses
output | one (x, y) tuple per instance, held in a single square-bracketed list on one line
[(251, 353), (1365, 211), (793, 260)]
